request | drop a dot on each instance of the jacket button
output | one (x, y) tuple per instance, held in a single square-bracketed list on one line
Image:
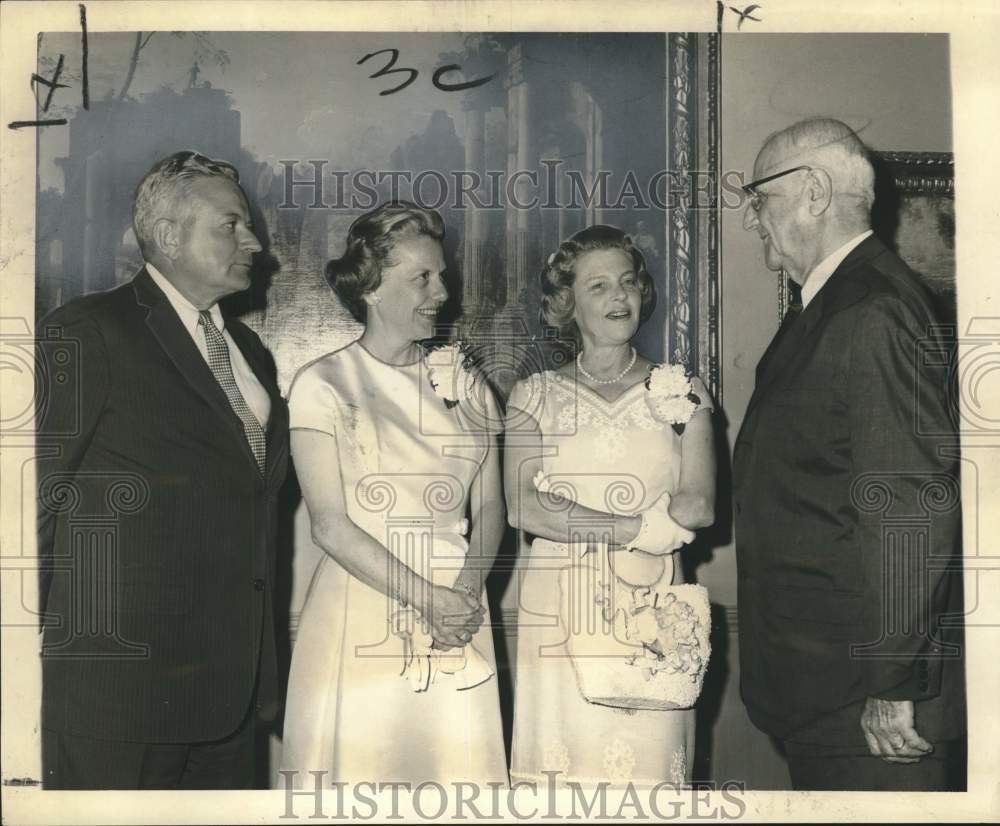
[(922, 685), (258, 585)]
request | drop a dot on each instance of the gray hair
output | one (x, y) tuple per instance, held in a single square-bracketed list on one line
[(831, 145), (164, 192)]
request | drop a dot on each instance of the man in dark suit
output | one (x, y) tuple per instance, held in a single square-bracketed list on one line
[(159, 464), (846, 491)]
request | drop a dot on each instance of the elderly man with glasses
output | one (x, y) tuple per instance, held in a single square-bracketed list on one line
[(846, 492)]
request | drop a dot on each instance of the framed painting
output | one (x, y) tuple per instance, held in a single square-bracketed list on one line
[(915, 215)]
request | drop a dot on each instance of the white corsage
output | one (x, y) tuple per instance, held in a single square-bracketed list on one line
[(670, 396), (669, 631), (449, 374)]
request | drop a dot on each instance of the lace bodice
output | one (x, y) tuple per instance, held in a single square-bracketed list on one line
[(613, 454)]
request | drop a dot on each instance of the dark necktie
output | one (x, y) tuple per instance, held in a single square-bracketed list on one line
[(791, 314), (218, 360)]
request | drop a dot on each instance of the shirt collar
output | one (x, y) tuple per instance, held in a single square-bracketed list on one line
[(185, 309), (821, 272)]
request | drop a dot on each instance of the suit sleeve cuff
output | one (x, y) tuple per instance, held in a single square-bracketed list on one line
[(920, 680)]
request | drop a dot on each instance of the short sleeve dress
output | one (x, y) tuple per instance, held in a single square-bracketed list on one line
[(368, 699)]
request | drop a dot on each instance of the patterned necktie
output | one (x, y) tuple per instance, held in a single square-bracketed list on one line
[(218, 360)]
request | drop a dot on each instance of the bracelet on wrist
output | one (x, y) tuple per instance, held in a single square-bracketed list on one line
[(464, 586)]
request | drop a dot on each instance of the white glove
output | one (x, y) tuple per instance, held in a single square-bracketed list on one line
[(659, 533)]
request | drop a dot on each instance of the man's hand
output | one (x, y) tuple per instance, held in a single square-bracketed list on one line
[(888, 728)]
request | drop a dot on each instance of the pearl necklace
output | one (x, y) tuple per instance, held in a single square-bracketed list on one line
[(619, 377)]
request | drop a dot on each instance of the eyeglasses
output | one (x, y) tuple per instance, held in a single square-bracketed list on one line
[(757, 198)]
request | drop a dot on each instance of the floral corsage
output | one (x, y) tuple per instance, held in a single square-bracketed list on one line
[(670, 396), (666, 628), (449, 374)]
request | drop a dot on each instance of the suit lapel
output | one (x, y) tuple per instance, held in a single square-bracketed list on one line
[(781, 349), (763, 366), (177, 343), (841, 290)]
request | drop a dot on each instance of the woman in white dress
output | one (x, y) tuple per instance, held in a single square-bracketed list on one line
[(393, 670), (624, 488)]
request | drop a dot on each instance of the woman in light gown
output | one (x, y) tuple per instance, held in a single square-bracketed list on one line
[(586, 430), (393, 670)]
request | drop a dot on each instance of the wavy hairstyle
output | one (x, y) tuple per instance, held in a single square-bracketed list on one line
[(370, 241), (559, 273), (165, 192)]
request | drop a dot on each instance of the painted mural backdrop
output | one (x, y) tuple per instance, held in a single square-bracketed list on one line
[(519, 141)]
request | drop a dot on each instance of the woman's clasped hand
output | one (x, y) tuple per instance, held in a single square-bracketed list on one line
[(451, 616)]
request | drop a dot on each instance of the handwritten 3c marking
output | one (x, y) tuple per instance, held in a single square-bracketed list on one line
[(436, 79)]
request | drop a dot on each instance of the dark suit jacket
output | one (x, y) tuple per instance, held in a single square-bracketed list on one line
[(156, 524), (847, 512)]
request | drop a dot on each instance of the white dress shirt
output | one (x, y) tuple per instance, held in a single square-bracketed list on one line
[(824, 269), (253, 391)]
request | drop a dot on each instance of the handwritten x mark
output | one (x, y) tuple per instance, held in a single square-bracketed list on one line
[(746, 14)]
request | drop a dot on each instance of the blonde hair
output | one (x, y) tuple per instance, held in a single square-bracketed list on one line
[(559, 273)]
